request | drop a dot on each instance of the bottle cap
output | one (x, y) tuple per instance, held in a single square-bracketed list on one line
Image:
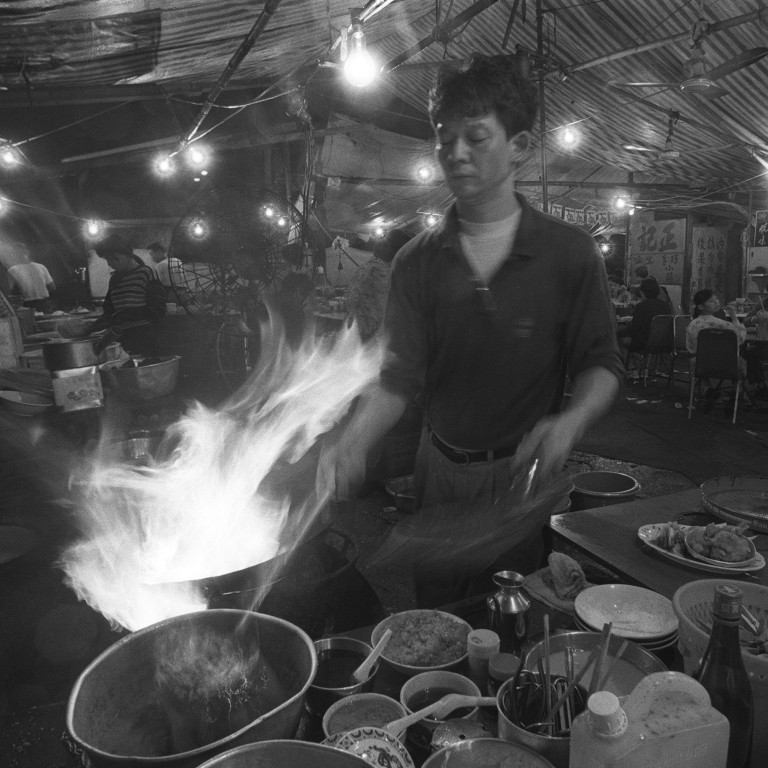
[(483, 643), (728, 602), (502, 666), (606, 717)]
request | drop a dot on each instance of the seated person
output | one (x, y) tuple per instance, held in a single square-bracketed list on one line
[(706, 305), (641, 273), (634, 337), (619, 292)]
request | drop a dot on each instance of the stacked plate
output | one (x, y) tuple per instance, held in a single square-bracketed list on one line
[(636, 614)]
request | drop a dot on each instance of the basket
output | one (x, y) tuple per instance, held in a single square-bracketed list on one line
[(692, 602)]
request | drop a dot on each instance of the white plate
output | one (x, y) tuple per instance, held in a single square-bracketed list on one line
[(635, 613), (650, 645), (649, 532)]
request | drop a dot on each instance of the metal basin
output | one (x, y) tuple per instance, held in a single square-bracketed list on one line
[(118, 713)]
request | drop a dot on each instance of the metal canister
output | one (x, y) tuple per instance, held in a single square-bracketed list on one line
[(508, 611)]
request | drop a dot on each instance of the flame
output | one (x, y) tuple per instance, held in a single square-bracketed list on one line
[(236, 489)]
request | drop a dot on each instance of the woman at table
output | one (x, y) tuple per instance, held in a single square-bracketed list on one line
[(634, 336), (706, 304)]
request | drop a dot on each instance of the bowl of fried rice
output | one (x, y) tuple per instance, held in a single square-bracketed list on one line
[(423, 640)]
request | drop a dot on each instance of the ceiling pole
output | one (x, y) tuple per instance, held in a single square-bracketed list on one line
[(237, 57), (542, 105)]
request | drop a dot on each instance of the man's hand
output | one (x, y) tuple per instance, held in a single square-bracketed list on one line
[(553, 438), (341, 467)]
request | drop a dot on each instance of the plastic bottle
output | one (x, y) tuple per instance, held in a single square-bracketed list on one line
[(722, 673), (501, 667), (666, 722), (481, 645)]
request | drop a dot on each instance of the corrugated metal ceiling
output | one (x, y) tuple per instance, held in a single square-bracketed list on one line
[(54, 49)]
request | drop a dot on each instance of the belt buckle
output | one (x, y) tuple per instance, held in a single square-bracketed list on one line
[(465, 459)]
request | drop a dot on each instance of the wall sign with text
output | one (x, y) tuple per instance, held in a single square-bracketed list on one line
[(660, 245)]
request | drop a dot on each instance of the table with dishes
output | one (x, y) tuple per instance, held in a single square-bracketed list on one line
[(621, 538)]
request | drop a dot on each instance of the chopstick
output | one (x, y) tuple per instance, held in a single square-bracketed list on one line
[(547, 670), (576, 680), (615, 661), (604, 643)]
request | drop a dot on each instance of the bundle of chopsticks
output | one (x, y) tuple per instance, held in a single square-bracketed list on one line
[(547, 704)]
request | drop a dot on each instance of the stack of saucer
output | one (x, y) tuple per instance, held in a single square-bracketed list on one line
[(641, 615)]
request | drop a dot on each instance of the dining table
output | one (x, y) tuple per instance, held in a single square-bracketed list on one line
[(609, 535)]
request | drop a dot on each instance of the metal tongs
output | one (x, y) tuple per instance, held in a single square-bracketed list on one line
[(523, 482)]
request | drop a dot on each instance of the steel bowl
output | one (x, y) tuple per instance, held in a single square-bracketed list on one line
[(119, 717), (486, 751), (143, 382)]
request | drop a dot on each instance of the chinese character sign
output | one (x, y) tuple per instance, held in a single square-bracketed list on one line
[(708, 252), (660, 246)]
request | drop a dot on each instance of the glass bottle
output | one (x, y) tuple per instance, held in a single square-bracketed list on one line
[(722, 673)]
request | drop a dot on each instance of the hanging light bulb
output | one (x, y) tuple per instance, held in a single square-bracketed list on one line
[(94, 229), (379, 231), (164, 165), (359, 67), (9, 155), (569, 137), (198, 229)]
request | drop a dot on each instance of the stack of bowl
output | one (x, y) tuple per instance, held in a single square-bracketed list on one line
[(637, 614)]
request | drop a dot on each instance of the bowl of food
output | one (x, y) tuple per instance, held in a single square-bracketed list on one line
[(720, 544), (25, 403), (423, 640), (425, 689), (375, 745), (488, 752), (362, 710), (337, 659)]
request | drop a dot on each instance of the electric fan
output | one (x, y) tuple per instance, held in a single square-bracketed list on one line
[(232, 246)]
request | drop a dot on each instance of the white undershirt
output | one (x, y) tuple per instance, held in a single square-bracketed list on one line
[(487, 244)]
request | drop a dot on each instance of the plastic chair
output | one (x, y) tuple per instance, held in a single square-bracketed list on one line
[(660, 344), (681, 323), (717, 357)]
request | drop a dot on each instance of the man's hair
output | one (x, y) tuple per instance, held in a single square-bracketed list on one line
[(113, 243), (488, 84), (650, 288), (156, 247), (641, 271)]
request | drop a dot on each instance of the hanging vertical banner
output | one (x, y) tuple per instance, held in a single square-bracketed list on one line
[(761, 228), (660, 246), (708, 254)]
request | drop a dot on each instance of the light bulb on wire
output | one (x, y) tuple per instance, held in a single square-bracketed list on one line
[(94, 229), (359, 67), (164, 165), (9, 155)]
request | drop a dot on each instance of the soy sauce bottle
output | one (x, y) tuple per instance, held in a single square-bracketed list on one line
[(722, 673)]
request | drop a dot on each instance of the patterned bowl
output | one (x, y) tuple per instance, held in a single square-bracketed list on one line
[(375, 745)]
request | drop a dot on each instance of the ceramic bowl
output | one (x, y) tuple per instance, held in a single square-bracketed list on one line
[(428, 687), (337, 659), (407, 650), (375, 745), (486, 752), (362, 710)]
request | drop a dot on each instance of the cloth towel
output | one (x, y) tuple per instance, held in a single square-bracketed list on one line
[(558, 584)]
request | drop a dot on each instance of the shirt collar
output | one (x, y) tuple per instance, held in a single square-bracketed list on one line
[(530, 238)]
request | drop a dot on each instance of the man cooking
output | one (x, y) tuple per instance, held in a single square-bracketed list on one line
[(487, 315)]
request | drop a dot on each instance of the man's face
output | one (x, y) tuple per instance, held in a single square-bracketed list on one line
[(157, 256), (476, 156)]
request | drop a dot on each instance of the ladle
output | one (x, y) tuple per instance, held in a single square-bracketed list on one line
[(440, 709), (362, 672)]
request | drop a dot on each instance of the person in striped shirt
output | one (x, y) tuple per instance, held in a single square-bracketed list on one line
[(135, 300)]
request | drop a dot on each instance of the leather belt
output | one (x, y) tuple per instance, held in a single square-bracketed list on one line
[(458, 456)]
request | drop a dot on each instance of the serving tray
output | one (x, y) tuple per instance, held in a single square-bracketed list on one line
[(738, 500)]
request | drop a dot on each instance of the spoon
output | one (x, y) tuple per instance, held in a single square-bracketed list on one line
[(440, 709), (364, 670)]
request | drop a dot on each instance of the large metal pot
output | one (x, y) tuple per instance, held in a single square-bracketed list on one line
[(118, 715), (66, 354)]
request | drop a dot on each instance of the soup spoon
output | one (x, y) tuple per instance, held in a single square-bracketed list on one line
[(364, 670), (440, 709)]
